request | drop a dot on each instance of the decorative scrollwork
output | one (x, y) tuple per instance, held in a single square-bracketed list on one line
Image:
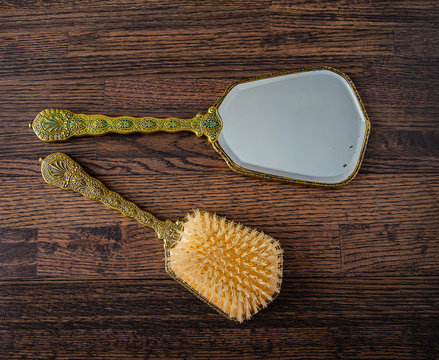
[(148, 124), (124, 124), (211, 124), (77, 125), (52, 124), (60, 170), (56, 125), (169, 232), (98, 126), (77, 182), (172, 125)]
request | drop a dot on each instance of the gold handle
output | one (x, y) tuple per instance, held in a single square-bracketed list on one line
[(58, 125), (60, 170)]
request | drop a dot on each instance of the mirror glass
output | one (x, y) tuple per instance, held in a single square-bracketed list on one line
[(307, 126)]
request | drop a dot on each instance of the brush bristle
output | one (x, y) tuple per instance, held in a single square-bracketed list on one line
[(233, 267)]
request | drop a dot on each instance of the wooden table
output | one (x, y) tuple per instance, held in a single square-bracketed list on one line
[(79, 281)]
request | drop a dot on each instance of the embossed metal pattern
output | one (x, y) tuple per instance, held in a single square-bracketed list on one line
[(60, 170), (58, 125)]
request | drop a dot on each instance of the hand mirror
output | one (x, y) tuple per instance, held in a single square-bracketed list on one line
[(307, 126)]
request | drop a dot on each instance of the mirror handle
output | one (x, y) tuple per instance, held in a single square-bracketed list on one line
[(59, 125)]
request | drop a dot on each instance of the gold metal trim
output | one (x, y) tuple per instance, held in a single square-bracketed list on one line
[(58, 125), (59, 170), (240, 170)]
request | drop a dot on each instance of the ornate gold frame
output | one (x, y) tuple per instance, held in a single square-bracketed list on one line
[(240, 170), (59, 125)]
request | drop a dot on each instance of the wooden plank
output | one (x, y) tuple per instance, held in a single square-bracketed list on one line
[(38, 94), (131, 65), (22, 45), (173, 94), (400, 248), (253, 43), (33, 16), (392, 82), (389, 143), (377, 5), (217, 188), (132, 251), (379, 317), (371, 13), (201, 161), (68, 247), (138, 341), (18, 253), (171, 43), (334, 41), (361, 262), (400, 164), (418, 42), (402, 299), (388, 198), (108, 252), (380, 80)]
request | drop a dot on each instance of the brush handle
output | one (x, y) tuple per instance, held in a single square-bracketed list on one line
[(59, 125), (60, 170)]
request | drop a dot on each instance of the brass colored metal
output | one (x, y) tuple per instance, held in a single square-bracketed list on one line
[(250, 261), (60, 170), (58, 125), (240, 170)]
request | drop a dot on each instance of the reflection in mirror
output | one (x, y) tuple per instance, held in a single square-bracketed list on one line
[(305, 126), (308, 126)]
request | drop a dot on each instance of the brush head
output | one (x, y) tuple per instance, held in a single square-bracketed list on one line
[(236, 269)]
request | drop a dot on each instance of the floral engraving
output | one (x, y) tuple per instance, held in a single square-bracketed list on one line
[(211, 125), (172, 124), (77, 125), (124, 124), (59, 169), (148, 124), (53, 124), (99, 125)]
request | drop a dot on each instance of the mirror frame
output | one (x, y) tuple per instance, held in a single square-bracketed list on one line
[(240, 170)]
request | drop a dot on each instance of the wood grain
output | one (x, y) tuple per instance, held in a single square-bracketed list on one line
[(253, 43), (157, 319), (361, 267)]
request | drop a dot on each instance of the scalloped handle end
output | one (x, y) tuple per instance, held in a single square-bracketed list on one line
[(60, 170), (55, 125)]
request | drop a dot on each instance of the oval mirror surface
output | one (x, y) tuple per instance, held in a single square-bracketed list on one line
[(308, 126)]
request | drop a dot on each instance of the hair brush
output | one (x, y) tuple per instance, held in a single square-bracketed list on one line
[(233, 268)]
